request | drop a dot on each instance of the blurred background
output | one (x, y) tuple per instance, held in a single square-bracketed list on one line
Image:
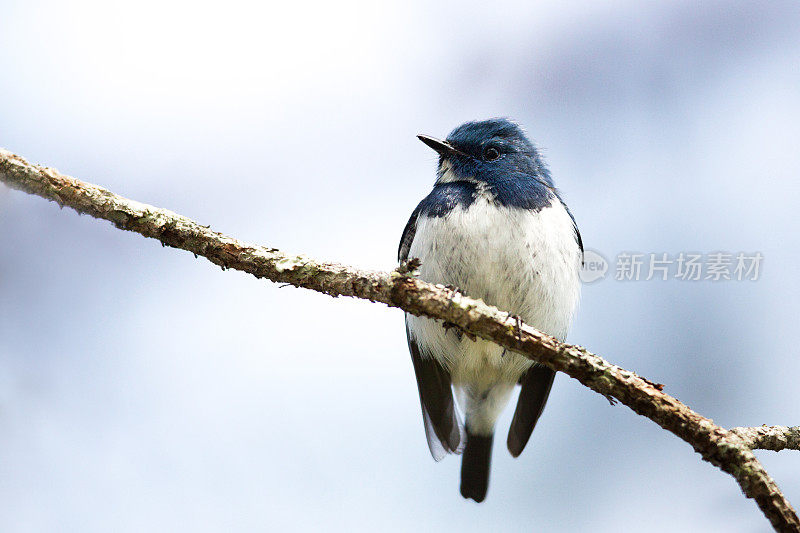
[(141, 389)]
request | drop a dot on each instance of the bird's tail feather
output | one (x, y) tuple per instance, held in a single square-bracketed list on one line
[(475, 464)]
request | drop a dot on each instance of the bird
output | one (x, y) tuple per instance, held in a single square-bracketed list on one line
[(495, 228)]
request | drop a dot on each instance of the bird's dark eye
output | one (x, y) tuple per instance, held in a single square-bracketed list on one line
[(491, 153)]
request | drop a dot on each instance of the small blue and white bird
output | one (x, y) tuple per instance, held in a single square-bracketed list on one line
[(496, 228)]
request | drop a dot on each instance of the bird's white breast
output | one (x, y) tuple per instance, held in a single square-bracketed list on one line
[(520, 260)]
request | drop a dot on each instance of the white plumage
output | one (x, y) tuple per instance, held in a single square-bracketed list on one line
[(520, 260)]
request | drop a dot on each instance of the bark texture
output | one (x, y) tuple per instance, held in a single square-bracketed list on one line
[(727, 449), (775, 438)]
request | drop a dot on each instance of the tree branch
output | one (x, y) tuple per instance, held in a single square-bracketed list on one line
[(775, 438), (725, 449)]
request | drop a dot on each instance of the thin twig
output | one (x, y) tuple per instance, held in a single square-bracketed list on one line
[(725, 449)]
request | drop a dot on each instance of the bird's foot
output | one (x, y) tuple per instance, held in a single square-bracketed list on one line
[(453, 288), (517, 325), (611, 399), (449, 325), (460, 333), (409, 268)]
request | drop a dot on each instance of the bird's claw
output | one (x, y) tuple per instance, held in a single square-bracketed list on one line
[(517, 326)]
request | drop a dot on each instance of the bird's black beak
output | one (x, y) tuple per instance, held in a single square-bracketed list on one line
[(443, 148)]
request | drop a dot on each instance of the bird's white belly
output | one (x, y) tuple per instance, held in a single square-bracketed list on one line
[(519, 260)]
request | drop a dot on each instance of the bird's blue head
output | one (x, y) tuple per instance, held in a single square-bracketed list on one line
[(494, 151)]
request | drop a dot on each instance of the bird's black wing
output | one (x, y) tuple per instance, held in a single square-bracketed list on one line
[(408, 235), (536, 384), (442, 426), (578, 238)]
